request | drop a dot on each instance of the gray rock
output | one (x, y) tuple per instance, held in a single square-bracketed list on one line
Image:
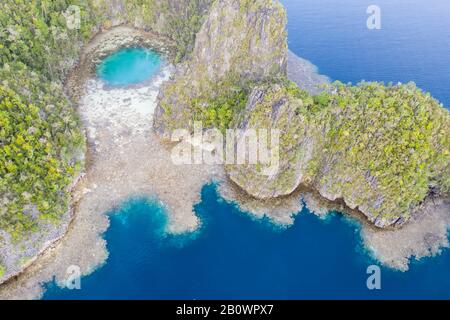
[(240, 42)]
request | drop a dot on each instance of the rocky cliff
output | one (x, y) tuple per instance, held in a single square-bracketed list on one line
[(179, 20), (240, 42), (382, 150)]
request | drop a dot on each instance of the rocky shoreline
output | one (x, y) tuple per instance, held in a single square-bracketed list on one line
[(28, 251), (425, 235), (118, 127), (127, 159), (98, 122)]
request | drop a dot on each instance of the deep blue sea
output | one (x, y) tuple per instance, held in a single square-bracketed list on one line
[(413, 43), (235, 256)]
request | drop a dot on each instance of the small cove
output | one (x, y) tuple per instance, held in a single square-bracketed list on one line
[(234, 256)]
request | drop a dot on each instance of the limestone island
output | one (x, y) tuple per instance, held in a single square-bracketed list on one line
[(72, 148)]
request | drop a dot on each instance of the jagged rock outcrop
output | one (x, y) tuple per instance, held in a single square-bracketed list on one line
[(35, 189), (178, 20), (381, 150), (274, 107), (240, 42)]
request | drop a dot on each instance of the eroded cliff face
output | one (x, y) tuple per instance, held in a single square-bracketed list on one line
[(240, 42), (381, 150), (178, 20), (274, 107)]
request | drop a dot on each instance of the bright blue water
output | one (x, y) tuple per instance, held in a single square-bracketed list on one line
[(412, 45), (234, 256), (129, 66)]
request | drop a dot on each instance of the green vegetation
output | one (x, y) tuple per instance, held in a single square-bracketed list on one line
[(242, 42), (2, 271), (221, 110), (41, 145), (382, 148), (185, 24), (35, 33), (394, 139), (179, 20)]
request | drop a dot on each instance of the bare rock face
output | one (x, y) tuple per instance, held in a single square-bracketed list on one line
[(243, 37), (341, 143), (274, 108), (239, 42)]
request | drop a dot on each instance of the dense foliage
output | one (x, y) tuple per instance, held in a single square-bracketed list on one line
[(220, 110), (40, 149), (35, 33), (395, 138), (41, 145), (383, 149)]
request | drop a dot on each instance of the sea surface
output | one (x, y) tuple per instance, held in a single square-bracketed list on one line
[(233, 255), (413, 43)]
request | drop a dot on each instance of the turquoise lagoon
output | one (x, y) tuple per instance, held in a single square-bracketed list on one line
[(129, 66), (235, 256)]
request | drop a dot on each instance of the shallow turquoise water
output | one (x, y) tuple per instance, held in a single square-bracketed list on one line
[(129, 66), (235, 256)]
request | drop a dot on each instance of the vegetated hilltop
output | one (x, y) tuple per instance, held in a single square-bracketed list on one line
[(41, 141), (381, 149)]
